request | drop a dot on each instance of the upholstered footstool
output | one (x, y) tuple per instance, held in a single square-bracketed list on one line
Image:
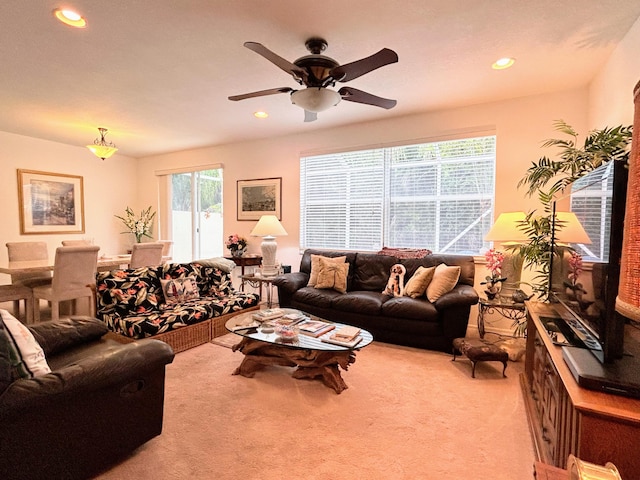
[(479, 350)]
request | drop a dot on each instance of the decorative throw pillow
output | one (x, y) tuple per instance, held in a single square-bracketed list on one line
[(405, 252), (315, 266), (179, 290), (395, 284), (418, 283), (332, 275), (28, 357), (444, 279)]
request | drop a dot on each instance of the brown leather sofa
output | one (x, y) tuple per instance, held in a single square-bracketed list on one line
[(101, 401), (414, 322)]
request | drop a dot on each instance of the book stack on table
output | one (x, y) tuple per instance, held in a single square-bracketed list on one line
[(268, 314), (346, 336), (314, 328)]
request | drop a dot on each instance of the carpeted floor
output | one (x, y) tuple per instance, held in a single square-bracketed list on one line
[(407, 414)]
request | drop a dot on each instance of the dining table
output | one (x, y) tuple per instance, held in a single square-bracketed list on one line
[(105, 262)]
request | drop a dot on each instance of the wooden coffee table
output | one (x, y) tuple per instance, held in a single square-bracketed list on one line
[(312, 357)]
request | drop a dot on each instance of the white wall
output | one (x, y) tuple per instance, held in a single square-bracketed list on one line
[(611, 91), (109, 186)]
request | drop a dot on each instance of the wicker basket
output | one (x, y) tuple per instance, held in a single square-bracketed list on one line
[(184, 338), (179, 340)]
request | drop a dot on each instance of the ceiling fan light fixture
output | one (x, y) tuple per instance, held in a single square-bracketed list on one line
[(503, 63), (260, 114), (100, 147), (315, 99), (69, 17)]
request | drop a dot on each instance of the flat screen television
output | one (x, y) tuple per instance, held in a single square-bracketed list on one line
[(598, 316), (598, 352)]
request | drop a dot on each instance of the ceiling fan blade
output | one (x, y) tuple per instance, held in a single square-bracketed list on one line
[(262, 93), (354, 95), (349, 71), (277, 60), (310, 116)]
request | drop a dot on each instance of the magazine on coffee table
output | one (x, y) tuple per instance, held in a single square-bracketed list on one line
[(346, 336), (314, 328), (268, 314), (349, 344)]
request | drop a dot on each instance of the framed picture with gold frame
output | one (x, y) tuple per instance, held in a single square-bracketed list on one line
[(50, 202), (259, 197)]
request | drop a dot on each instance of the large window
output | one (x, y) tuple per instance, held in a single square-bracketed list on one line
[(435, 195)]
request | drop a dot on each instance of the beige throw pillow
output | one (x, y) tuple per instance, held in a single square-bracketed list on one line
[(444, 279), (418, 283), (315, 267), (332, 275)]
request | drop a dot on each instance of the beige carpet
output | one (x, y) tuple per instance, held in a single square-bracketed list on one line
[(407, 414), (228, 340)]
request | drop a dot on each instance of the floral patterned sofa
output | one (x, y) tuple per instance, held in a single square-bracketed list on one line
[(192, 308)]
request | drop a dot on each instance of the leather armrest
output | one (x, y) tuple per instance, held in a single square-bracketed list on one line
[(60, 335), (291, 282), (461, 295), (117, 365)]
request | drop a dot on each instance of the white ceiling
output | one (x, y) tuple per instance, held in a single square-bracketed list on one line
[(157, 73)]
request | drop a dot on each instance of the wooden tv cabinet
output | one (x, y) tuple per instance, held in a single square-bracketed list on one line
[(565, 418)]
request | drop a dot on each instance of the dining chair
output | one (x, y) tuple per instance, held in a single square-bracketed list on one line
[(76, 243), (21, 251), (166, 247), (146, 254), (74, 270)]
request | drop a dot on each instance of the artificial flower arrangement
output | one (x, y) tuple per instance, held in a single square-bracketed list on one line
[(494, 259), (140, 226), (575, 269), (236, 243)]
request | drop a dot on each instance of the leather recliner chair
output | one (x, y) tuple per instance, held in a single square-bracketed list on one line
[(101, 401)]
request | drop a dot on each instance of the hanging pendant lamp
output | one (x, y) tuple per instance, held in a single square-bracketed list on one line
[(100, 147)]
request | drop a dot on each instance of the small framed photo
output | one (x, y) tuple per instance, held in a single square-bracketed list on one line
[(262, 196), (50, 202)]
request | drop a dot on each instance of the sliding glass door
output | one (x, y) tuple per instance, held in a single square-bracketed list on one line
[(196, 215)]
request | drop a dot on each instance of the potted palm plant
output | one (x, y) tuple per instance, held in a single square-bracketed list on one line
[(548, 177)]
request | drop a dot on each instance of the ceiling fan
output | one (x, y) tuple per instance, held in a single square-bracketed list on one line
[(317, 72)]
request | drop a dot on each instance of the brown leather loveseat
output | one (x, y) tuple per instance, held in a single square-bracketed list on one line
[(100, 402), (414, 322)]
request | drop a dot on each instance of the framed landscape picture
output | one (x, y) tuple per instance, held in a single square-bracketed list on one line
[(50, 202), (259, 197)]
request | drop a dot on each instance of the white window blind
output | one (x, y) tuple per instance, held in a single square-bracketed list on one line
[(591, 202), (435, 195)]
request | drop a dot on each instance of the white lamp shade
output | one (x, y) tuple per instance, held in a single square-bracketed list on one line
[(568, 229), (505, 229), (268, 226), (102, 151), (571, 230), (315, 99)]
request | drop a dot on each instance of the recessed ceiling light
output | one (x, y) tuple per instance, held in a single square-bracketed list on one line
[(69, 17), (503, 63), (260, 114)]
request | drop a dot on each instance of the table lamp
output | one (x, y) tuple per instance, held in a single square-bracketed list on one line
[(505, 230), (268, 227)]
